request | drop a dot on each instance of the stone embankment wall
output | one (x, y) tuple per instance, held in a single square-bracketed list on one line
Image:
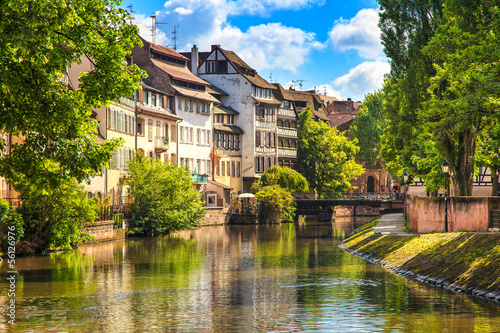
[(426, 214), (215, 216), (104, 230), (460, 261)]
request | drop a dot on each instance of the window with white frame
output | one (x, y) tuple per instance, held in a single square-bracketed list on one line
[(150, 130)]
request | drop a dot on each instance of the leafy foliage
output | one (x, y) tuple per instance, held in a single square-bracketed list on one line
[(368, 127), (54, 219), (488, 152), (443, 88), (285, 177), (326, 156), (277, 202), (9, 220), (165, 198), (406, 27), (464, 92), (41, 40)]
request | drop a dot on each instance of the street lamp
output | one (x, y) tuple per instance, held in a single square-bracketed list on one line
[(405, 179), (445, 167)]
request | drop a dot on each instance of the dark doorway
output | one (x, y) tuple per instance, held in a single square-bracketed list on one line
[(370, 184)]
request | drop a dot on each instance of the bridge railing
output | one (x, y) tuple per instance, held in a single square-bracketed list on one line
[(354, 196)]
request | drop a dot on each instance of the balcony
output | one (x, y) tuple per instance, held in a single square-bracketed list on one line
[(265, 149), (161, 144), (228, 152), (286, 152), (260, 123), (287, 132), (285, 112), (200, 179)]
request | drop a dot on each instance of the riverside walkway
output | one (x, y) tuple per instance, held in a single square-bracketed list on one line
[(391, 224)]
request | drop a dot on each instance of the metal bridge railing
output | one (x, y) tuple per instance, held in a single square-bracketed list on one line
[(396, 196)]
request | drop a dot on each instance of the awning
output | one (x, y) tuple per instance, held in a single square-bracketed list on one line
[(158, 112), (197, 94), (228, 128), (272, 101), (221, 109)]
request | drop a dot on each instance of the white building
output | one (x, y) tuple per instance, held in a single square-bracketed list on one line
[(251, 96)]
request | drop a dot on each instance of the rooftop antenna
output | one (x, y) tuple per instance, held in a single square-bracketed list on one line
[(270, 77), (153, 28), (130, 11), (174, 39), (299, 82)]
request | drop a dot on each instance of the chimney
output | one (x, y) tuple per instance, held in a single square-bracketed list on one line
[(194, 60), (214, 47)]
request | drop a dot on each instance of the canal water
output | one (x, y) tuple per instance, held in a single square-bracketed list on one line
[(255, 278)]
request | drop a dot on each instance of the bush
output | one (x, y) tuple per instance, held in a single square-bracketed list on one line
[(164, 196), (9, 221), (277, 204)]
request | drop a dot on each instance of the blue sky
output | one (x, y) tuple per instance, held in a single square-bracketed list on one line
[(331, 45)]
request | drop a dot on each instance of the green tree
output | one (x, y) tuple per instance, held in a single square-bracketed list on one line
[(40, 41), (285, 177), (368, 127), (326, 156), (465, 91), (54, 219), (278, 204), (406, 27), (164, 196), (488, 152)]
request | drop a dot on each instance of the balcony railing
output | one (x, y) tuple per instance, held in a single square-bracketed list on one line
[(260, 123), (265, 149), (287, 152), (287, 131), (161, 143), (228, 152), (200, 179), (285, 112)]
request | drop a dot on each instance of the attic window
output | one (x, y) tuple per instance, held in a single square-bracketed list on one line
[(222, 64)]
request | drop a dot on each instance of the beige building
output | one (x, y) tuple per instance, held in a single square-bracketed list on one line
[(227, 140)]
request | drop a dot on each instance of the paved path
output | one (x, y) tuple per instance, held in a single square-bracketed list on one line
[(391, 224)]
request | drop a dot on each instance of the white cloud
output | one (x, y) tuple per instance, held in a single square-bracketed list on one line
[(361, 33), (266, 46), (183, 11), (362, 79)]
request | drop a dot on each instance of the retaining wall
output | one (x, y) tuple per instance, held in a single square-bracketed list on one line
[(104, 230), (215, 216), (426, 214)]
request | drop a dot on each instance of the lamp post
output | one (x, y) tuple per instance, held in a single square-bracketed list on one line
[(444, 168), (405, 179)]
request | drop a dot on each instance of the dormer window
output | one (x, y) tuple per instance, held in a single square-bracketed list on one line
[(153, 99)]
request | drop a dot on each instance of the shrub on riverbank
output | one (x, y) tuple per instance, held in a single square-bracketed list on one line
[(50, 218), (467, 261), (165, 198)]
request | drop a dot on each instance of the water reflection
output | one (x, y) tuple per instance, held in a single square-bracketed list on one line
[(233, 279)]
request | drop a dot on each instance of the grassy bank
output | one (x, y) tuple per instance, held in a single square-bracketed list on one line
[(461, 261)]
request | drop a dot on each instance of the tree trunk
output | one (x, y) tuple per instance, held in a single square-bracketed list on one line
[(463, 169), (494, 181)]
